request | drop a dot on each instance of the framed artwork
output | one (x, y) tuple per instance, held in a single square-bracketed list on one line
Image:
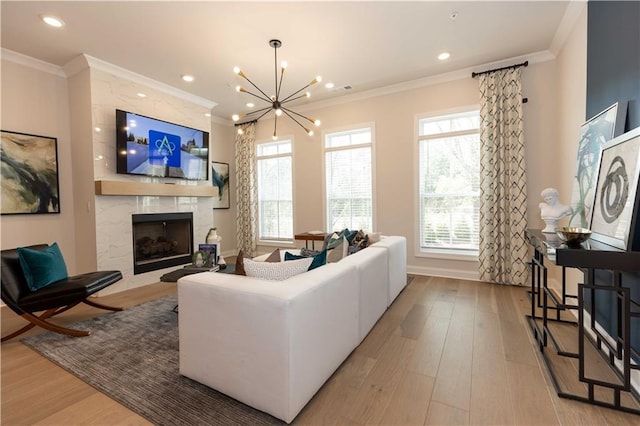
[(593, 135), (29, 175), (220, 178), (616, 205)]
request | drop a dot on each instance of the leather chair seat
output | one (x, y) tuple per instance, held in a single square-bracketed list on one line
[(67, 291)]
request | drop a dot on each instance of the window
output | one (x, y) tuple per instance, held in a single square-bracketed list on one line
[(348, 179), (275, 192), (449, 163)]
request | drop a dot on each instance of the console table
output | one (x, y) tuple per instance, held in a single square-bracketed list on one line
[(616, 380)]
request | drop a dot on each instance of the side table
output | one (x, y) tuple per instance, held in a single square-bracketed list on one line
[(311, 236)]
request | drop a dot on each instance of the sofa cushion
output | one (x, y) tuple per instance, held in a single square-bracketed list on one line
[(319, 259), (337, 250), (42, 267), (276, 271)]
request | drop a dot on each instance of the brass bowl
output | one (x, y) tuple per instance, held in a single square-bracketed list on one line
[(573, 236)]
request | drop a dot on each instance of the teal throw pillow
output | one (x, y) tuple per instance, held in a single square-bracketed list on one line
[(318, 259), (350, 235), (42, 267)]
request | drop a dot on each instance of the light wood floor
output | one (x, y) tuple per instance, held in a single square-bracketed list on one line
[(446, 352)]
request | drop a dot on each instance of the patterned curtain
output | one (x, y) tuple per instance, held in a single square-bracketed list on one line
[(246, 189), (503, 250)]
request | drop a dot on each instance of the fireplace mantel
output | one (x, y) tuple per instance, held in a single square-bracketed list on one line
[(116, 187)]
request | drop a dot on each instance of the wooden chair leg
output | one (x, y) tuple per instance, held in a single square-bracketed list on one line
[(18, 332), (40, 321), (100, 305)]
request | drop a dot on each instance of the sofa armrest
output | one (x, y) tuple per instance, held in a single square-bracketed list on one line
[(397, 250), (269, 344)]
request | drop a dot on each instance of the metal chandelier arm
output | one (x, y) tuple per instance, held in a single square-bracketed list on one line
[(275, 126), (264, 113), (243, 90), (267, 109), (297, 122), (293, 99), (241, 74), (287, 111), (314, 81)]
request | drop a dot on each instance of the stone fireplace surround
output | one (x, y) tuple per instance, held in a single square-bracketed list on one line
[(96, 89), (115, 234)]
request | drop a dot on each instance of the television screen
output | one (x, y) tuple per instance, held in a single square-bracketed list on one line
[(150, 147)]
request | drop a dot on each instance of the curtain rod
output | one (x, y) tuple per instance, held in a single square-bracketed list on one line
[(245, 122), (475, 74)]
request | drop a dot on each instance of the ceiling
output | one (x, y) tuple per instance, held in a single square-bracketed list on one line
[(365, 45)]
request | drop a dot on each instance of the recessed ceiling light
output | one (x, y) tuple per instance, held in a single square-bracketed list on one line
[(52, 20), (207, 114), (444, 55), (188, 78), (329, 85), (98, 129), (250, 104), (142, 95)]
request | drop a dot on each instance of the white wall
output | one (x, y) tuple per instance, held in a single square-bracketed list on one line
[(395, 167), (222, 151), (35, 101), (571, 77)]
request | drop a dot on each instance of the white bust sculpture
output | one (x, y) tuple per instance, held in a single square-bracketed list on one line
[(551, 211)]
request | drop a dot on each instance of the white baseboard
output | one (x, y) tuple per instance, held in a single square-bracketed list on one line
[(443, 272)]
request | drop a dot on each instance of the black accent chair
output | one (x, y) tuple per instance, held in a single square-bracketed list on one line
[(52, 299)]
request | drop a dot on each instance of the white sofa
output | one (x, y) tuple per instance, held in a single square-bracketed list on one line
[(273, 344)]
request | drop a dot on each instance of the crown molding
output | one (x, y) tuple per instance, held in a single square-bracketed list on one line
[(533, 58), (28, 61), (83, 61), (568, 22), (222, 121)]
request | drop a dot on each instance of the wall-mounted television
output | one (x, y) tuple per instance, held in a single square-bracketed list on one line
[(151, 147)]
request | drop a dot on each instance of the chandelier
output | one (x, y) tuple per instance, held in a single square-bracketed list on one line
[(276, 103)]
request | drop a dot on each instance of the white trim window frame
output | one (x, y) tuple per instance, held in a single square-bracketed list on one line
[(448, 184), (351, 153), (274, 168)]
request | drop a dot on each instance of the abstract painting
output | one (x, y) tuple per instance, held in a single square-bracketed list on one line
[(220, 179), (29, 175), (593, 135), (616, 201)]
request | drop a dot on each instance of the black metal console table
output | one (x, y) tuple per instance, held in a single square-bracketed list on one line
[(583, 340)]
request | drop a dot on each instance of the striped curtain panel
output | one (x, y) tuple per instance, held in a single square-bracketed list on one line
[(503, 251), (246, 189)]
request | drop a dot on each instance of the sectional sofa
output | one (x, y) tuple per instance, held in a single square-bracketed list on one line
[(273, 344)]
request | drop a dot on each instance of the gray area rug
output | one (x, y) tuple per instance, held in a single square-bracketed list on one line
[(132, 356)]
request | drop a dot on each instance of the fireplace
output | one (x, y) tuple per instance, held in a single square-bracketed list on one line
[(161, 240)]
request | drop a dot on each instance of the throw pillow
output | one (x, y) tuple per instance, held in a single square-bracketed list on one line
[(338, 250), (308, 252), (374, 237), (276, 271), (42, 267), (240, 263), (318, 259), (274, 256)]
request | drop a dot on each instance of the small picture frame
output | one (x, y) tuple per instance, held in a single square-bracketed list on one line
[(220, 179), (615, 210), (29, 180)]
